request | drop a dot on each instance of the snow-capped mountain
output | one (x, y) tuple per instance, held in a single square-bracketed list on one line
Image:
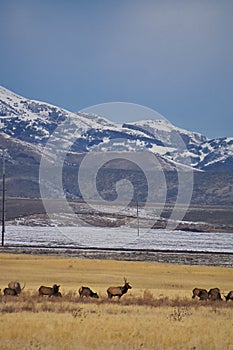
[(30, 123)]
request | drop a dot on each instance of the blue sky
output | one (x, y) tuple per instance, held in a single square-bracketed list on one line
[(172, 56)]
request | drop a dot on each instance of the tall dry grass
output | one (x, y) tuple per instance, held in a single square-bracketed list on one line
[(158, 313), (114, 326)]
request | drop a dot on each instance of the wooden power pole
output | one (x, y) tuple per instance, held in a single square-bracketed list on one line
[(3, 198), (137, 219)]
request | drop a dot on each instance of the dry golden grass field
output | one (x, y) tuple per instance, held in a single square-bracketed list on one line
[(157, 313)]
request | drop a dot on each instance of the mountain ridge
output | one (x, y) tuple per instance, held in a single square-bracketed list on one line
[(29, 129), (34, 122)]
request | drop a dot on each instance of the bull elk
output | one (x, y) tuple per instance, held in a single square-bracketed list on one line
[(14, 288), (87, 292), (118, 291), (54, 290)]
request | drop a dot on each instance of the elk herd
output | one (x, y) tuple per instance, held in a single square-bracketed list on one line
[(213, 294), (14, 289)]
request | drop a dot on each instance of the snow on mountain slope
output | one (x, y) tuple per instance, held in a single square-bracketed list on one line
[(179, 144), (217, 152), (165, 131), (33, 122)]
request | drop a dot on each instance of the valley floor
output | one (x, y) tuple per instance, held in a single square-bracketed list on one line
[(198, 218), (157, 313)]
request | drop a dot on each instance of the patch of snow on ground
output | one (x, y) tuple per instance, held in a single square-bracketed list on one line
[(121, 237)]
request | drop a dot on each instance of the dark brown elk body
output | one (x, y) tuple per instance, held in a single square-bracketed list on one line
[(118, 291), (54, 290), (9, 291), (214, 294), (202, 294), (87, 292), (16, 286), (229, 296)]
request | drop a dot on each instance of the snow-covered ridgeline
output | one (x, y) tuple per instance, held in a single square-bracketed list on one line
[(34, 122)]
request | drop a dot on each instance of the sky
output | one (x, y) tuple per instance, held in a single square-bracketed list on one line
[(175, 57)]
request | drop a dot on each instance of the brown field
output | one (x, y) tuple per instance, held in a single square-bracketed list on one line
[(157, 313)]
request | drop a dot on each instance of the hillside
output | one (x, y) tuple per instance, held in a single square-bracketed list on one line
[(30, 129)]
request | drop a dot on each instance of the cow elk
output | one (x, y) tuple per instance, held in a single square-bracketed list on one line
[(118, 291), (87, 292), (50, 291), (214, 294), (202, 294), (9, 291), (229, 296)]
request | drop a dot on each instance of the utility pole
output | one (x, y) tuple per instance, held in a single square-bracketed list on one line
[(137, 219), (3, 197)]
